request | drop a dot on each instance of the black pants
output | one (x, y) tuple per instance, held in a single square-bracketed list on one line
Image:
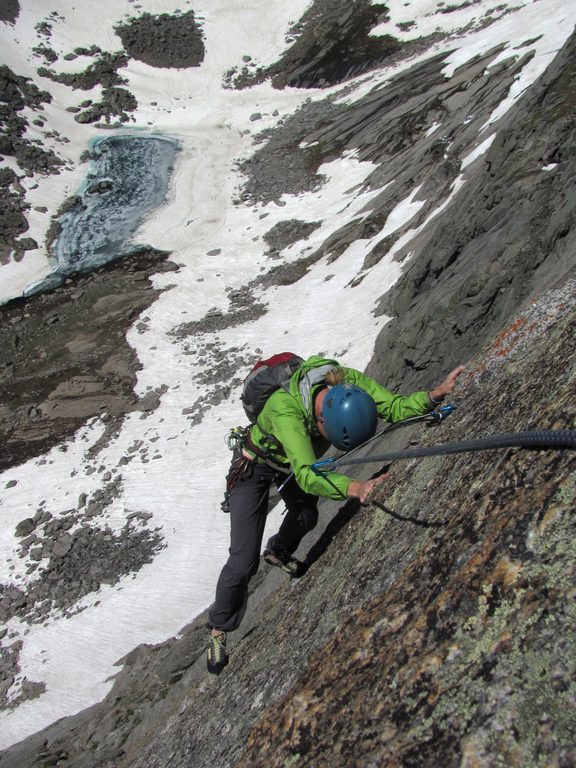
[(248, 509)]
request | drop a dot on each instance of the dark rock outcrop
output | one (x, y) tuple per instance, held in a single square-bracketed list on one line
[(115, 101), (164, 41), (508, 234), (331, 44), (66, 357), (78, 562), (9, 10), (17, 93), (286, 233), (13, 221), (104, 72)]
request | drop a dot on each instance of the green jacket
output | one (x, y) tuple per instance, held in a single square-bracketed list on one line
[(286, 428)]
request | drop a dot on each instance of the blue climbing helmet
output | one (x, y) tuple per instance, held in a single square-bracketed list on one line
[(349, 415)]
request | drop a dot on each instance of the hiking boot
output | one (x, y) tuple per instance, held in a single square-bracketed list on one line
[(290, 565), (217, 654)]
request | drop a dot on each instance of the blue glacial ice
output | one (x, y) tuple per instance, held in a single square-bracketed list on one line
[(128, 178)]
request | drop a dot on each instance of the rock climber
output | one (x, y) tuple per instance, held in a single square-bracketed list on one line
[(324, 404)]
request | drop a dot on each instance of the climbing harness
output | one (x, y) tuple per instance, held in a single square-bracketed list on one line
[(546, 438), (238, 440)]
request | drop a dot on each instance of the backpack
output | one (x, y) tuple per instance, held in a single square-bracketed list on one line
[(265, 378)]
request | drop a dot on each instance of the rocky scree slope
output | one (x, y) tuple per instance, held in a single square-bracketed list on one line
[(66, 359)]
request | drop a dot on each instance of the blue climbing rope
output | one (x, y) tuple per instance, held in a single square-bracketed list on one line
[(542, 438)]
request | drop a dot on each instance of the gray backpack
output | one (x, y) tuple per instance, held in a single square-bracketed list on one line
[(265, 378)]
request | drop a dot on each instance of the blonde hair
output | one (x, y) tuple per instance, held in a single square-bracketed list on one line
[(334, 376)]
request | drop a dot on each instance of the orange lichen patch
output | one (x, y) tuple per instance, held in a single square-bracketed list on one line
[(503, 344), (472, 373), (472, 752), (509, 337), (506, 572), (503, 643)]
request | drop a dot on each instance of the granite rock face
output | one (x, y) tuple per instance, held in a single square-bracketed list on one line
[(510, 233), (459, 649), (448, 634), (330, 44)]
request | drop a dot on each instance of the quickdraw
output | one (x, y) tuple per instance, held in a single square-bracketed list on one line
[(237, 437), (239, 466), (235, 440)]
